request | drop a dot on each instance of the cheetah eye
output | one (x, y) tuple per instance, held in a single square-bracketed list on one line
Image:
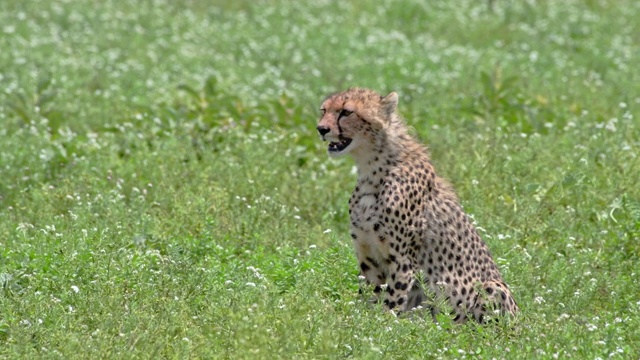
[(345, 113), (323, 111)]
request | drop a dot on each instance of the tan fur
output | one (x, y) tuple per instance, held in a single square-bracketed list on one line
[(406, 221)]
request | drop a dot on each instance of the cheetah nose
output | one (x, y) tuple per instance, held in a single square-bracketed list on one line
[(323, 130)]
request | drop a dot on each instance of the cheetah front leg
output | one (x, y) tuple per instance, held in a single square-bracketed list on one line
[(371, 270), (400, 281)]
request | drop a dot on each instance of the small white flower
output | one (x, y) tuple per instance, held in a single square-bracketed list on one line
[(312, 246), (611, 124), (538, 300), (326, 231), (251, 284), (75, 289)]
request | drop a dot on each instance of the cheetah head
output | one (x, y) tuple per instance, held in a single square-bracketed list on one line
[(351, 118)]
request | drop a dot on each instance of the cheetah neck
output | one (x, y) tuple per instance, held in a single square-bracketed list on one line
[(384, 152)]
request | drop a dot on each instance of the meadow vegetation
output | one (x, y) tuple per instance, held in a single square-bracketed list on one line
[(164, 194)]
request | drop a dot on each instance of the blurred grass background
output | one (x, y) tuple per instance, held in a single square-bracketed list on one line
[(163, 192)]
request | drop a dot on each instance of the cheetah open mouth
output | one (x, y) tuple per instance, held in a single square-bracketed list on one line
[(336, 147)]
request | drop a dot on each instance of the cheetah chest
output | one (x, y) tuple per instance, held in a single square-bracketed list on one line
[(364, 213)]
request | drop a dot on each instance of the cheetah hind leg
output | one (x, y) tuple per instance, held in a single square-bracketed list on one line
[(494, 298)]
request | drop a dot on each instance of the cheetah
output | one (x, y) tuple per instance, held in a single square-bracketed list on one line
[(413, 241)]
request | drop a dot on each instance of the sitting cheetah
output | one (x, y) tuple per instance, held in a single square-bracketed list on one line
[(407, 226)]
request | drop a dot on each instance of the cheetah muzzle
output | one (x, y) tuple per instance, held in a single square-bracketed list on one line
[(410, 234)]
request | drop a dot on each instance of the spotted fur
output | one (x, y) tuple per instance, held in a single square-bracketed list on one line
[(407, 226)]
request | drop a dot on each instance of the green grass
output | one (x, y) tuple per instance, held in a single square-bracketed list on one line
[(163, 193)]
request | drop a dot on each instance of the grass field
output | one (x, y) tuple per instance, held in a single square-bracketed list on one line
[(163, 192)]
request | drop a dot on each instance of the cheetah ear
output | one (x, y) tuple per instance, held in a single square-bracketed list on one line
[(388, 104)]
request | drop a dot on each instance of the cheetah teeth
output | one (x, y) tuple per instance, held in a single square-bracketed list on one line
[(339, 145)]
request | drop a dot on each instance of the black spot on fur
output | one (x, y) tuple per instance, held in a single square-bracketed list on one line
[(364, 267), (489, 290)]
